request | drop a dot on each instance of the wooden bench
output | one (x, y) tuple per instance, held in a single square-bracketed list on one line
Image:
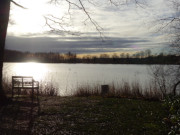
[(24, 83)]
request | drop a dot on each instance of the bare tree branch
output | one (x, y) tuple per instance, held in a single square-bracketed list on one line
[(167, 23), (80, 5), (18, 4), (96, 25), (58, 30)]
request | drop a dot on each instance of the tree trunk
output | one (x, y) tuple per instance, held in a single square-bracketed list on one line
[(4, 18), (175, 86)]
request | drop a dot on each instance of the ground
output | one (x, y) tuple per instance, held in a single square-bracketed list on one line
[(83, 115)]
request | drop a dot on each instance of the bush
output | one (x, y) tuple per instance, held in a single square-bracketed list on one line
[(172, 104)]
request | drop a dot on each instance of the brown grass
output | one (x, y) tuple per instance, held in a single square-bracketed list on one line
[(123, 89), (48, 89), (86, 91)]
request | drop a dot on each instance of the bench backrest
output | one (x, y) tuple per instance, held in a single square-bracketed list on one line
[(24, 82)]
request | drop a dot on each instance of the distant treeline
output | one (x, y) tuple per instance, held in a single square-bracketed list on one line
[(143, 57)]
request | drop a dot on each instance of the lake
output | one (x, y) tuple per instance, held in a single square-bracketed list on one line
[(67, 77)]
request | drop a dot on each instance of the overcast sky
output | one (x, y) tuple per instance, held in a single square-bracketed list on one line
[(126, 28)]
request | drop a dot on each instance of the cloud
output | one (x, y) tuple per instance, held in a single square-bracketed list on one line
[(126, 28), (73, 44)]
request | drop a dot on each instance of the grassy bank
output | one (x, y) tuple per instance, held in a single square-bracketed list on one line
[(123, 110), (119, 88), (123, 89), (84, 115)]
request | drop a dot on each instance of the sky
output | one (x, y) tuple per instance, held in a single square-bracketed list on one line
[(124, 28)]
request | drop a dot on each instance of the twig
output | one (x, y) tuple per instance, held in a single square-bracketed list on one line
[(18, 4)]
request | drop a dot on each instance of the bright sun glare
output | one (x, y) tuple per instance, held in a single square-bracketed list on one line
[(31, 20), (36, 70)]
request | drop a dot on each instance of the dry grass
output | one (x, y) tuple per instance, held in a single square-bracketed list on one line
[(87, 90), (123, 89), (48, 89)]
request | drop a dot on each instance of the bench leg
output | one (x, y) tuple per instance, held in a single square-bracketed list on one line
[(32, 94), (19, 91), (12, 92), (37, 94), (38, 101)]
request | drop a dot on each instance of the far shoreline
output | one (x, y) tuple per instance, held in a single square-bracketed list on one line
[(89, 63)]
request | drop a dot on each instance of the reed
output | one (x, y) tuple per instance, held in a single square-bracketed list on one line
[(48, 89), (117, 89), (87, 90), (123, 89)]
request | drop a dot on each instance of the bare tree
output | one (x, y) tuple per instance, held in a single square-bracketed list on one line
[(166, 78), (171, 26), (175, 26), (162, 78)]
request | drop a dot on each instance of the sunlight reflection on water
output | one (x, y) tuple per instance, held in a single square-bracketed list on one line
[(37, 70)]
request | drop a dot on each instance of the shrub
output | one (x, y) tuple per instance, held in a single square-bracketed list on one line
[(172, 104)]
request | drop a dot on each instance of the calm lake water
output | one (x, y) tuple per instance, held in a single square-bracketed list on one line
[(67, 77)]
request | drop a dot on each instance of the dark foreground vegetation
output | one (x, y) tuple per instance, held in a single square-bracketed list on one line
[(126, 109), (84, 115), (143, 57), (122, 111)]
